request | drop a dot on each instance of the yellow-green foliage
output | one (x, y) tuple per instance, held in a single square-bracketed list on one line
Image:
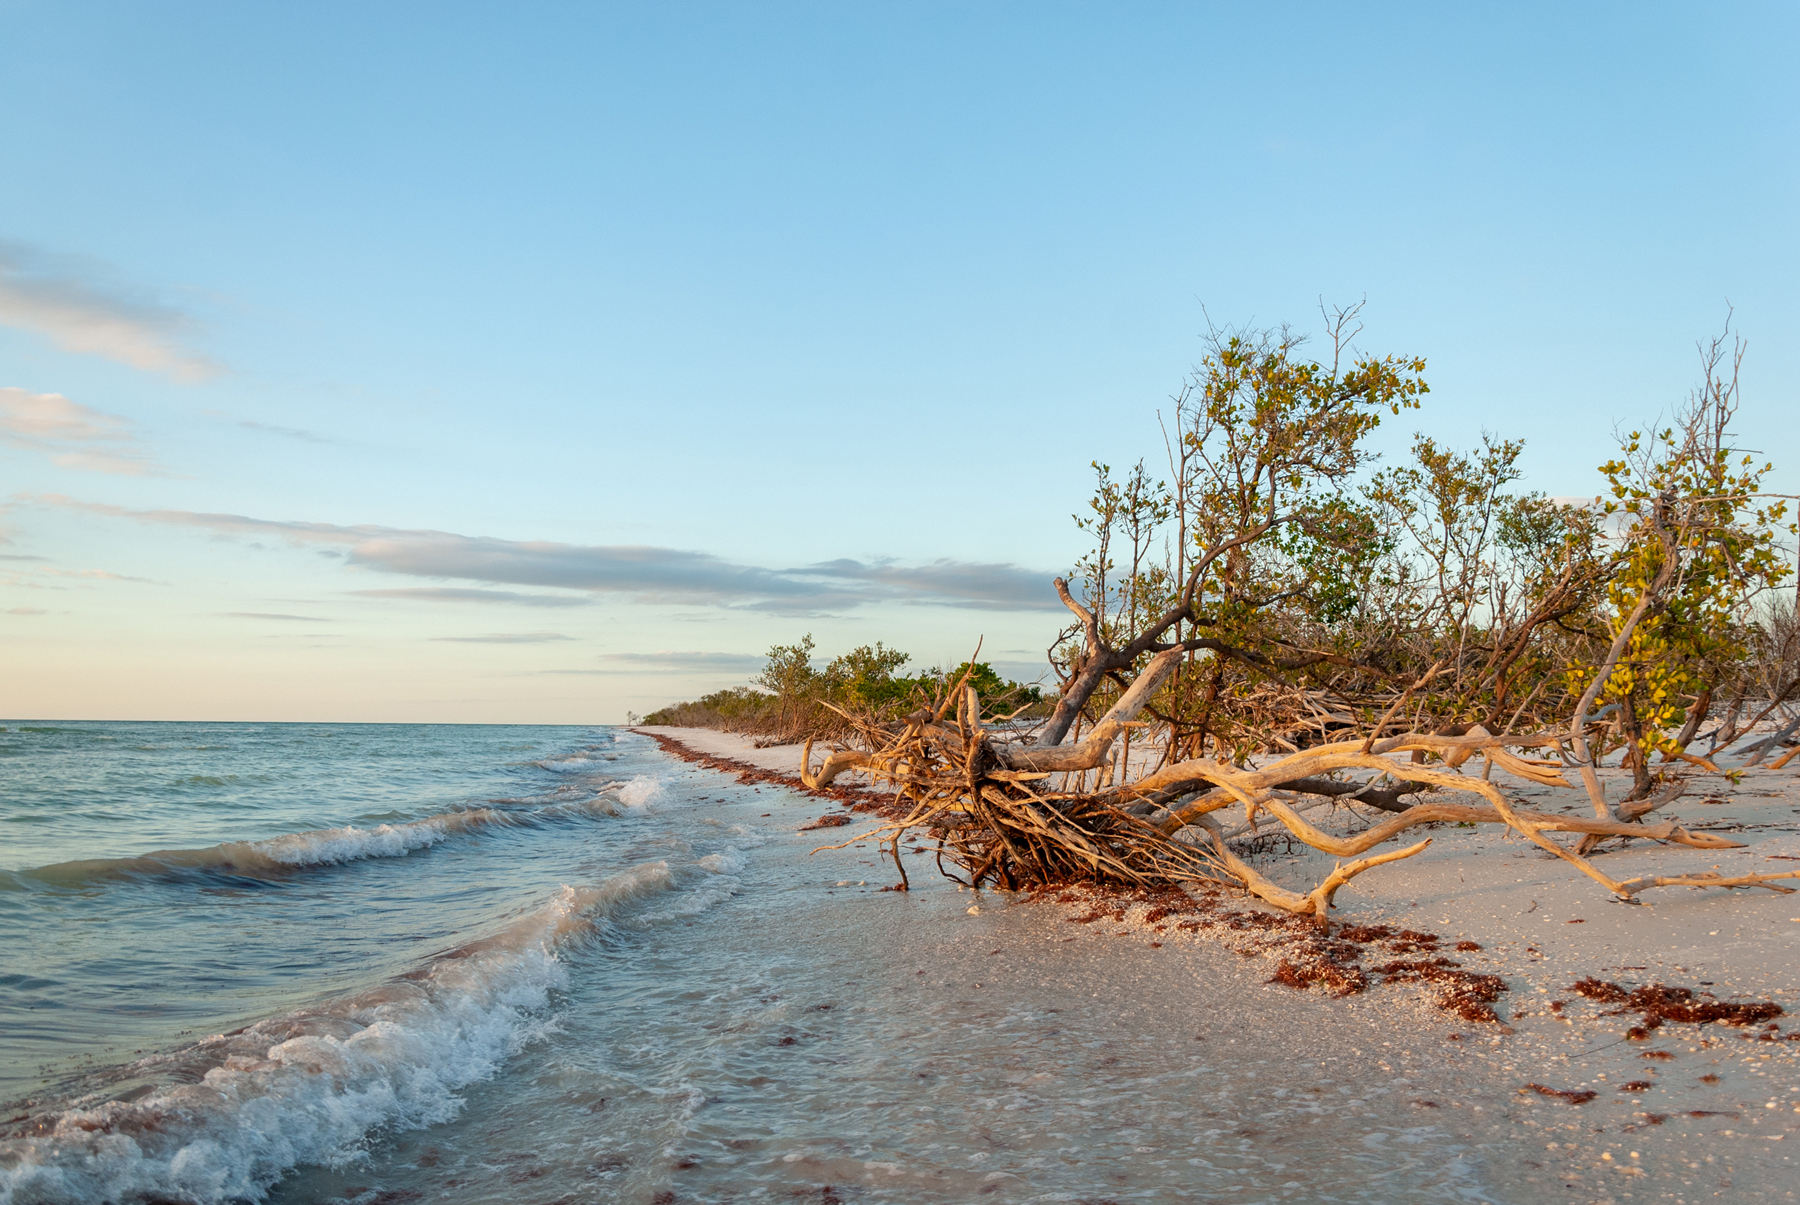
[(1323, 590)]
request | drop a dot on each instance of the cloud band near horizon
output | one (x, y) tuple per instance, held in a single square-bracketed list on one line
[(642, 573)]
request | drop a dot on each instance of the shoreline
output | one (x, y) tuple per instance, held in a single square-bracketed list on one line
[(1508, 928), (767, 769)]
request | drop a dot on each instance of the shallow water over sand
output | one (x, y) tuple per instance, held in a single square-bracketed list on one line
[(873, 1048), (650, 992)]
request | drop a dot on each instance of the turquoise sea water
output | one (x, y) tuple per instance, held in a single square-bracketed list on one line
[(163, 884)]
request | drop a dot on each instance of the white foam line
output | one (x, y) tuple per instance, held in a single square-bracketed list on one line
[(575, 760), (351, 844), (320, 847)]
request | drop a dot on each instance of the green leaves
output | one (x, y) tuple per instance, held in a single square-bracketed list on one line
[(1336, 548), (789, 672), (1269, 424), (863, 678)]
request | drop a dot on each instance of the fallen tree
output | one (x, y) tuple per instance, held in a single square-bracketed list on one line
[(1298, 644), (983, 795)]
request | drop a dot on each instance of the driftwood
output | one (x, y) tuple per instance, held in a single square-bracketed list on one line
[(984, 794)]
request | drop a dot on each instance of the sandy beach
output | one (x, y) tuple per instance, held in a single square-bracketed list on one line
[(1681, 1112)]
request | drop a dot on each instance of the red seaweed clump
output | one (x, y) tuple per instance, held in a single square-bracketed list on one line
[(1337, 978), (1467, 994), (1658, 1003)]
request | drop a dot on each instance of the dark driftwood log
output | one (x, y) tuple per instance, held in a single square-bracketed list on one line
[(1385, 798)]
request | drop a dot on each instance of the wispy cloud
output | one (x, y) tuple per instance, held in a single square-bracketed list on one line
[(69, 302), (275, 615), (647, 573), (75, 436), (26, 611), (15, 557), (641, 572), (507, 638), (463, 594), (287, 432), (984, 585), (101, 575), (626, 663)]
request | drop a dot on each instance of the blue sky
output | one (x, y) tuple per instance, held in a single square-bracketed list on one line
[(538, 363)]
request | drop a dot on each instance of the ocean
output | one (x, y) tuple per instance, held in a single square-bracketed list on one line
[(390, 963)]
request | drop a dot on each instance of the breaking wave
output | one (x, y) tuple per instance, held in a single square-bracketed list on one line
[(638, 793), (278, 856), (585, 758), (224, 1119), (729, 863)]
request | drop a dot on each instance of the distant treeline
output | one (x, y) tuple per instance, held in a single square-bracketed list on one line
[(791, 700)]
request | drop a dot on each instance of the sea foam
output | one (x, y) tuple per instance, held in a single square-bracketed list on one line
[(638, 793), (307, 1087), (725, 863)]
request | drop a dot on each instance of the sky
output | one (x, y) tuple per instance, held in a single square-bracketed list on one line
[(548, 363)]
